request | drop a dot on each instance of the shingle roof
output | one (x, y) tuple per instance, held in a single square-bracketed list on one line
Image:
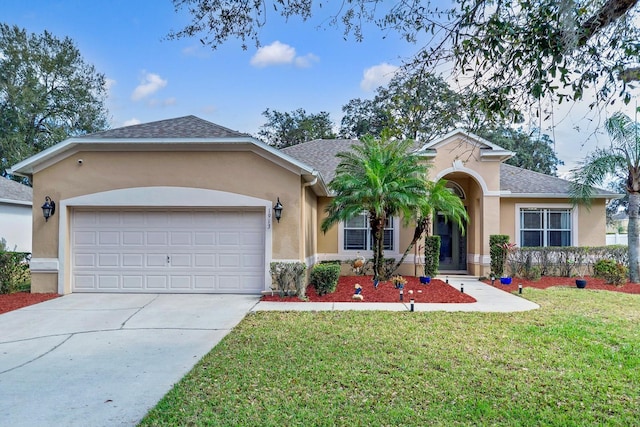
[(181, 127), (523, 181), (11, 190), (321, 155)]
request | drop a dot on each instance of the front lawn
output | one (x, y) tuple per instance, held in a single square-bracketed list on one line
[(575, 361)]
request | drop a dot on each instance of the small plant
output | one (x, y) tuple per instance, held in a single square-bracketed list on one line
[(288, 278), (611, 271), (325, 277), (398, 281)]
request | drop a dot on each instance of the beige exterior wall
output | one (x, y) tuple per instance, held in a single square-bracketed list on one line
[(242, 172), (460, 161)]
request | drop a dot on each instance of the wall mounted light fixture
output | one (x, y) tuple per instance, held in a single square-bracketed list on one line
[(49, 208), (277, 210)]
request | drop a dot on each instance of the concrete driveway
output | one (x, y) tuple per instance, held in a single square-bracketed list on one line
[(105, 360)]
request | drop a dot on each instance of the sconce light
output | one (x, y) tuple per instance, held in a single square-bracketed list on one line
[(49, 208), (277, 210)]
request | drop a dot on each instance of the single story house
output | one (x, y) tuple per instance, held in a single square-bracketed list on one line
[(15, 215), (185, 205)]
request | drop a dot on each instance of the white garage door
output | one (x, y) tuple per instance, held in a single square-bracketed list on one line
[(168, 251)]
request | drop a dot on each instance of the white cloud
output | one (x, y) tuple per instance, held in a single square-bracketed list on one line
[(169, 101), (150, 84), (306, 61), (274, 54), (132, 122), (378, 75), (278, 53)]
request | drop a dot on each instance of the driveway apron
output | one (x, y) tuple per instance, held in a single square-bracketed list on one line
[(105, 360)]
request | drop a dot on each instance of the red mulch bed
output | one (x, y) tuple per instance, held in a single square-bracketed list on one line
[(549, 281), (9, 302), (435, 292)]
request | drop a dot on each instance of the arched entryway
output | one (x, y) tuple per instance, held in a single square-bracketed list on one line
[(453, 240)]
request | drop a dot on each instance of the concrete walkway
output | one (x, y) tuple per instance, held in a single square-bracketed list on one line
[(489, 299)]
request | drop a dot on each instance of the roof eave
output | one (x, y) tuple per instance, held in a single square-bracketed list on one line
[(16, 202), (508, 194)]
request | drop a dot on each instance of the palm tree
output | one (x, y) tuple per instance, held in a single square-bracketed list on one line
[(623, 157), (439, 199), (379, 177)]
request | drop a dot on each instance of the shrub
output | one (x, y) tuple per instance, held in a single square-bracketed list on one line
[(431, 256), (325, 277), (611, 271), (14, 271), (288, 278), (497, 251)]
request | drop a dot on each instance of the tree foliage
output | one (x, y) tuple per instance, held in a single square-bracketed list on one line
[(380, 177), (417, 105), (509, 53), (287, 129), (47, 93), (533, 150), (621, 158)]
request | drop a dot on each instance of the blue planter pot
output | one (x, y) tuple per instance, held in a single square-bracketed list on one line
[(505, 280), (581, 283), (425, 279)]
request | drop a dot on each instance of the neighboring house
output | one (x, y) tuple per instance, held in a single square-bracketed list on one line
[(15, 215), (185, 205)]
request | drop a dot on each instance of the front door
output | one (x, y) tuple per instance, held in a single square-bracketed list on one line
[(453, 244)]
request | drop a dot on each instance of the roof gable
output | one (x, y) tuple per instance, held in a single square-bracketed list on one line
[(488, 150), (180, 127)]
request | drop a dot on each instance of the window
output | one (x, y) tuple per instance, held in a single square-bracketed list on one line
[(357, 234), (545, 227)]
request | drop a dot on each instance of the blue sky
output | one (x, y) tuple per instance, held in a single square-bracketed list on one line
[(299, 66)]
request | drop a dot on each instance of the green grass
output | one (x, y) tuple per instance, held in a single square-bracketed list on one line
[(576, 361)]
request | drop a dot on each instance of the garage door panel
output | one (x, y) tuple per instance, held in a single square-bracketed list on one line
[(84, 260), (156, 260), (180, 260), (132, 238), (173, 251), (81, 238), (108, 282), (181, 238), (133, 282), (109, 238), (108, 260), (156, 282), (157, 238), (133, 260)]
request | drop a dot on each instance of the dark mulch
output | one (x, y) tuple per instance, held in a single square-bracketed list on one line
[(550, 281), (435, 292)]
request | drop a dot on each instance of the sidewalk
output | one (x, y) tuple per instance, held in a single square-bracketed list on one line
[(489, 300)]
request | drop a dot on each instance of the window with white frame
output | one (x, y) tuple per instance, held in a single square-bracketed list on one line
[(545, 227), (357, 234)]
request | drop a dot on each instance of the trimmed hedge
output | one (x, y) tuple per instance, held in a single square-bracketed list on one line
[(497, 252), (325, 277), (431, 256)]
